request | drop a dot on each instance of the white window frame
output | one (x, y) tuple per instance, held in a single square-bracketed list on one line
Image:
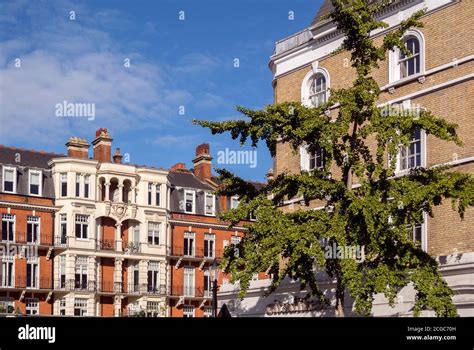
[(81, 222), (62, 306), (87, 190), (155, 232), (232, 199), (149, 198), (154, 268), (305, 159), (9, 218), (77, 186), (40, 180), (32, 306), (307, 81), (187, 236), (206, 196), (80, 304), (6, 277), (394, 57), (35, 274), (424, 232), (189, 311), (63, 180), (209, 237), (398, 170), (157, 195), (193, 204), (33, 220), (6, 168)]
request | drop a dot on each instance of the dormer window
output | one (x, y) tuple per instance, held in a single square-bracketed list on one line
[(9, 179), (210, 205), (35, 182), (189, 199)]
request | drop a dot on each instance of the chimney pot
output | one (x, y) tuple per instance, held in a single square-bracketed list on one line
[(117, 156), (102, 145), (77, 148), (203, 162)]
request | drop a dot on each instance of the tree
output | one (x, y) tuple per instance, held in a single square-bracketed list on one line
[(374, 214)]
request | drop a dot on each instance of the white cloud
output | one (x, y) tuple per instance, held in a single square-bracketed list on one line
[(65, 60)]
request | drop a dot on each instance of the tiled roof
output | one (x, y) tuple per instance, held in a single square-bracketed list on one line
[(26, 157), (324, 10), (187, 179)]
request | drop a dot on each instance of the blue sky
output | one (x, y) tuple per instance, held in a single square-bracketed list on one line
[(173, 64)]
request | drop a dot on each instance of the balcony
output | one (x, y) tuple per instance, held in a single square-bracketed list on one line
[(198, 253), (61, 241), (131, 247), (105, 244), (17, 237), (189, 292), (145, 289), (108, 287), (76, 286), (26, 282)]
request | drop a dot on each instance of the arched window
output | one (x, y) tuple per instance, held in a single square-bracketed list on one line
[(317, 90), (404, 66), (314, 89), (410, 65)]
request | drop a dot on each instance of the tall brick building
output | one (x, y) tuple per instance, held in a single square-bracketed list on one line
[(438, 76), (27, 243), (198, 237)]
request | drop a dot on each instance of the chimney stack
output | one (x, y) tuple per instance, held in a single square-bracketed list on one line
[(203, 162), (102, 145), (77, 148), (178, 167), (117, 156)]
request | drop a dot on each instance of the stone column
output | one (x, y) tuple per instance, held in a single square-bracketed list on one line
[(107, 191), (118, 238), (120, 189)]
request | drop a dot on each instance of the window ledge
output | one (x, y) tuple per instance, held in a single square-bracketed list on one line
[(420, 77)]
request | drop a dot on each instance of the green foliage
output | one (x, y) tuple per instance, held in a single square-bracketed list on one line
[(374, 214)]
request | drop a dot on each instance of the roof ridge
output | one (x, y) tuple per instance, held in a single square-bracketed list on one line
[(31, 150)]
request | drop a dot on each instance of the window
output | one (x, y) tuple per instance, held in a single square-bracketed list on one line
[(157, 195), (403, 66), (9, 179), (317, 90), (32, 275), (314, 88), (207, 284), (153, 276), (411, 156), (78, 185), (310, 161), (189, 201), (32, 306), (188, 311), (63, 182), (149, 193), (35, 182), (8, 227), (62, 306), (32, 229), (154, 233), (62, 271), (63, 229), (234, 202), (209, 245), (82, 226), (410, 65), (207, 311), (134, 277), (87, 180), (80, 278), (235, 240), (8, 272), (316, 159), (189, 243), (189, 281), (80, 307), (153, 308), (210, 204), (417, 232)]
